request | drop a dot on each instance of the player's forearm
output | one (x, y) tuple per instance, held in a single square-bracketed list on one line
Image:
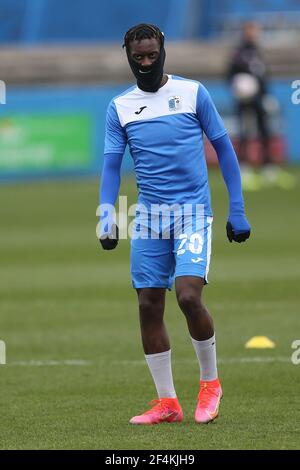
[(110, 178), (109, 189), (231, 172)]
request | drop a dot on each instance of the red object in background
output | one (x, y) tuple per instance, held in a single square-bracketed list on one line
[(253, 151)]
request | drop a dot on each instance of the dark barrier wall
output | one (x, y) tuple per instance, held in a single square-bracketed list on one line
[(60, 131)]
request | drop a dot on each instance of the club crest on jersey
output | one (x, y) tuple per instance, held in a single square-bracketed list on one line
[(174, 103)]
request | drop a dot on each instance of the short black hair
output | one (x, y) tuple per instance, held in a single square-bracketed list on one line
[(143, 31)]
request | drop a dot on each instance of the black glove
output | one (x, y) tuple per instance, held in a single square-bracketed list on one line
[(111, 240), (236, 237)]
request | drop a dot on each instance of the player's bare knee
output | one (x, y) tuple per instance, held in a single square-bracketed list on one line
[(146, 307), (151, 307), (190, 303), (151, 300)]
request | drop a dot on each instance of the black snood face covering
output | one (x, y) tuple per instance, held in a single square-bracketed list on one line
[(148, 77)]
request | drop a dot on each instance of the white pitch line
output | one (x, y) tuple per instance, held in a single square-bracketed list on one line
[(224, 360), (141, 362), (66, 362), (253, 360)]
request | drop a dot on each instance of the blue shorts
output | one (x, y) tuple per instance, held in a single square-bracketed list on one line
[(157, 262)]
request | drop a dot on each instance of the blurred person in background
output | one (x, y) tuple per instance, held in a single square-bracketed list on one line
[(163, 118), (248, 77)]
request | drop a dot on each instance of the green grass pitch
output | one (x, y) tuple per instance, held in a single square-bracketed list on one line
[(63, 299)]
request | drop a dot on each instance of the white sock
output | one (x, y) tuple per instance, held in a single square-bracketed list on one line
[(161, 371), (207, 358)]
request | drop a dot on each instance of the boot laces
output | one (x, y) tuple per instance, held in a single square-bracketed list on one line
[(205, 395), (158, 405)]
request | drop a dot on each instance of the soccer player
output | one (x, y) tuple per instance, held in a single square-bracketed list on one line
[(163, 118)]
